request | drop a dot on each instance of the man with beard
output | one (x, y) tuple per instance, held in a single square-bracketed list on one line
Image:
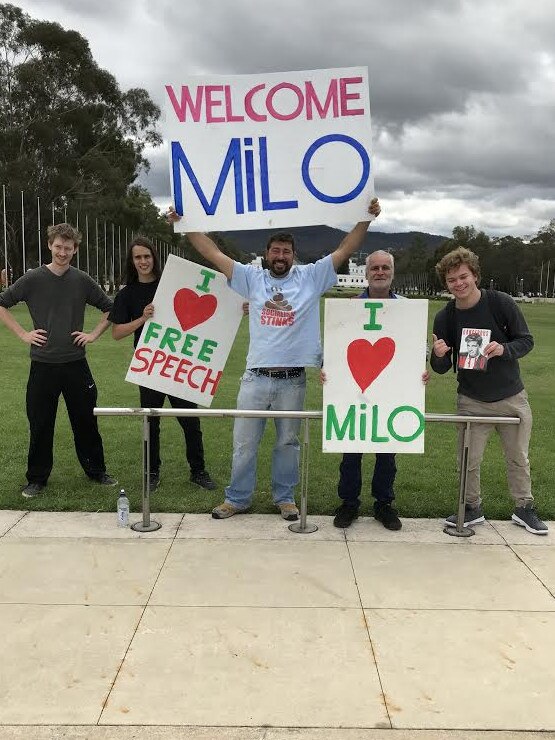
[(284, 324)]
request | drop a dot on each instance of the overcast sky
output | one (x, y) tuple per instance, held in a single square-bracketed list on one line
[(462, 92)]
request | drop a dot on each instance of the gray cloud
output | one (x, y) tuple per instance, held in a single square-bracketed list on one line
[(462, 91)]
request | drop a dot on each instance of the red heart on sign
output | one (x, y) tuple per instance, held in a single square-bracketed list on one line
[(192, 309), (366, 360)]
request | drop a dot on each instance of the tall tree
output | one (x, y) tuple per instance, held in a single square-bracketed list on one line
[(68, 132)]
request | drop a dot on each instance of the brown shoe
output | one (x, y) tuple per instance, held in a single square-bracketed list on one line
[(289, 512), (225, 510)]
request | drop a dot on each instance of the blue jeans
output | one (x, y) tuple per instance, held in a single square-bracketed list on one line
[(261, 392), (350, 478)]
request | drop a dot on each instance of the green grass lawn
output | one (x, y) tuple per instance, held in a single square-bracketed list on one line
[(426, 484)]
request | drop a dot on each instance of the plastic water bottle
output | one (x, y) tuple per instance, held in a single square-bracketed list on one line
[(123, 509)]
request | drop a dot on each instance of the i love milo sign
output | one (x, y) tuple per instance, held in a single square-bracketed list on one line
[(374, 357), (184, 347), (270, 150)]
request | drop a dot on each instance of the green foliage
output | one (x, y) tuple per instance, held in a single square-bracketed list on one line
[(69, 134), (140, 214)]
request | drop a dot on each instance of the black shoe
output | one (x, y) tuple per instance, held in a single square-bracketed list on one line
[(345, 515), (472, 515), (154, 481), (526, 516), (203, 479), (104, 479), (387, 515), (31, 490)]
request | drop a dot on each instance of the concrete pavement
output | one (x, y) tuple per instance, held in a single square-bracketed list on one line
[(242, 629)]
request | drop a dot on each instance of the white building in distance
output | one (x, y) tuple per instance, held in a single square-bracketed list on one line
[(356, 277)]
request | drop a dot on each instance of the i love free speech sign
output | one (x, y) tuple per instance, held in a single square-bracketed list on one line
[(184, 347)]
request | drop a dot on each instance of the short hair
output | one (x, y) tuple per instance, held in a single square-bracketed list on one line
[(377, 251), (474, 338), (281, 236), (131, 274), (64, 231), (456, 258)]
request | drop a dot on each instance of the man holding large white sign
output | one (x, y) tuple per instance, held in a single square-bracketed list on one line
[(375, 349), (270, 150), (284, 324), (284, 149), (380, 271)]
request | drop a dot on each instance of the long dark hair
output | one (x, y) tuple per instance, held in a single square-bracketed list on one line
[(131, 275)]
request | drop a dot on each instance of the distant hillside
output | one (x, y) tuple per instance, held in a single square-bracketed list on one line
[(314, 241)]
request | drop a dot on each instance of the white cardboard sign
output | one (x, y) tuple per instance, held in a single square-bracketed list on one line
[(184, 347), (270, 150), (374, 357)]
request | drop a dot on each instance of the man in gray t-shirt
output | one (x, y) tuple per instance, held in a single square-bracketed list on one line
[(56, 296)]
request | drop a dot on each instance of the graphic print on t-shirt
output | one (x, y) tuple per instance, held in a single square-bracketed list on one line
[(277, 311), (471, 350)]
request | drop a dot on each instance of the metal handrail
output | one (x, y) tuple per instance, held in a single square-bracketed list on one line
[(147, 525)]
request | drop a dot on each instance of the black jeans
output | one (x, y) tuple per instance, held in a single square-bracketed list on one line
[(350, 478), (76, 384), (190, 425)]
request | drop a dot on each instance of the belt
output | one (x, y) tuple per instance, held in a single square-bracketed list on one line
[(291, 372)]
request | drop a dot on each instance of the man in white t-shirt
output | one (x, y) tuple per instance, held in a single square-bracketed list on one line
[(284, 324)]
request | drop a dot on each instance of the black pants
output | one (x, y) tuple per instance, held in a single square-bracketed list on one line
[(190, 425), (350, 478), (76, 384)]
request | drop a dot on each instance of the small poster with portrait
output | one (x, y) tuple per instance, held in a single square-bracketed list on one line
[(471, 350)]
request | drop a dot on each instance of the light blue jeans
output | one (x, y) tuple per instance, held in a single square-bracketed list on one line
[(261, 392)]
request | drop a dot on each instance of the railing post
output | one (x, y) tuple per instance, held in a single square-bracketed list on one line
[(460, 530), (302, 527), (147, 525)]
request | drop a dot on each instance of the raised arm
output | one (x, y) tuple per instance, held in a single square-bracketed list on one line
[(352, 242), (205, 246), (211, 252)]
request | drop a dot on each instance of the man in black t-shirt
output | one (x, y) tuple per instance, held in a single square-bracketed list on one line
[(133, 306), (497, 391)]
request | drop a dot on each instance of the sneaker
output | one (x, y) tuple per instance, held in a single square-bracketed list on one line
[(526, 516), (289, 512), (154, 481), (31, 490), (225, 510), (104, 479), (387, 515), (203, 479), (345, 515), (472, 515)]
